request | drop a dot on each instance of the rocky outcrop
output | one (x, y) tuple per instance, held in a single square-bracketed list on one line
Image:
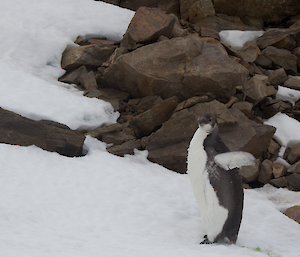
[(166, 71), (182, 67), (49, 135)]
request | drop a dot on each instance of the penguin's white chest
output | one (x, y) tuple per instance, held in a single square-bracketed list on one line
[(212, 213)]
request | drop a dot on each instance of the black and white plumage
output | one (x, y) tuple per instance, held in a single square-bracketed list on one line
[(215, 180)]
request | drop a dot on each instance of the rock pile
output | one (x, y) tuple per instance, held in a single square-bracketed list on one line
[(166, 71)]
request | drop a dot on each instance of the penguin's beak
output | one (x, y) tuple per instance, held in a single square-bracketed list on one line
[(200, 121)]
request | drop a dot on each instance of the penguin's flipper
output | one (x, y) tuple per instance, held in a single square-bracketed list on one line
[(231, 160)]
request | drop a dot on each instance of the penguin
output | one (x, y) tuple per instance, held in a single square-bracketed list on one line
[(216, 182)]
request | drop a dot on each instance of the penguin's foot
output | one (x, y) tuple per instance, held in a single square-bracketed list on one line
[(206, 241)]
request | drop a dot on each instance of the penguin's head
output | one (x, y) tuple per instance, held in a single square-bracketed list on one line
[(207, 122)]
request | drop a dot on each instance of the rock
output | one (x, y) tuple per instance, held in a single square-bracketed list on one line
[(145, 123), (125, 148), (257, 90), (48, 135), (89, 55), (88, 81), (296, 52), (244, 107), (191, 102), (277, 77), (146, 102), (278, 182), (253, 22), (147, 25), (282, 57), (293, 213), (218, 24), (207, 32), (113, 96), (117, 53), (294, 155), (293, 182), (279, 38), (113, 128), (250, 173), (269, 107), (266, 172), (185, 67), (168, 145), (279, 170), (273, 149), (295, 168), (292, 82), (200, 10), (178, 31), (250, 51), (269, 10), (74, 76), (118, 138), (264, 62)]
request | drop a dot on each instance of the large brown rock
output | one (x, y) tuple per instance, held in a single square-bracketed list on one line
[(185, 67), (147, 25), (282, 57), (168, 145), (48, 135), (89, 55), (280, 38), (257, 90), (250, 51), (293, 182), (268, 10), (145, 123)]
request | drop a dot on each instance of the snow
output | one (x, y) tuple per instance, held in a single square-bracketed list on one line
[(287, 94), (237, 38), (34, 35), (100, 204), (287, 129)]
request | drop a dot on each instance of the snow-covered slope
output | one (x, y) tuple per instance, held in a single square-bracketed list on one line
[(100, 204)]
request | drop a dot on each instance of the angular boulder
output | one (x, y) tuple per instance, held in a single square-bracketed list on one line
[(250, 51), (184, 67), (147, 25), (280, 38), (145, 123), (48, 135), (89, 55), (282, 57)]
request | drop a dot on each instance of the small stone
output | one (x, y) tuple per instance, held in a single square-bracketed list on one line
[(277, 77), (294, 155), (244, 107), (292, 82), (118, 138), (295, 168), (125, 148), (273, 148), (266, 172), (278, 182), (282, 57), (279, 170), (207, 32), (250, 51), (293, 182), (293, 213), (250, 173), (74, 76), (88, 81)]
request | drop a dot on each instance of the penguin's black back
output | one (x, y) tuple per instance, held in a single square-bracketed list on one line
[(227, 185)]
